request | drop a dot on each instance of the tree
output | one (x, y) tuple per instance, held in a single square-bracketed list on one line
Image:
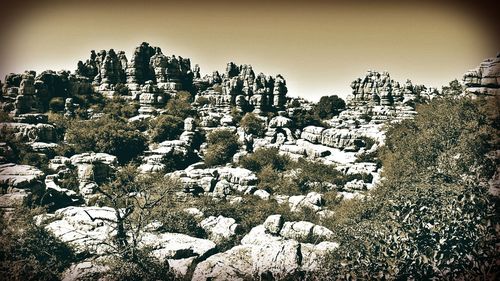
[(432, 217), (222, 145), (136, 198), (265, 156), (252, 124), (165, 127), (113, 136), (453, 89), (329, 106)]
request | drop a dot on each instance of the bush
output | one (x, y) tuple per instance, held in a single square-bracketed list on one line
[(56, 104), (142, 267), (432, 217), (252, 124), (304, 118), (329, 106), (165, 127), (203, 101), (119, 107), (222, 145), (263, 157), (311, 172), (180, 105), (107, 135), (29, 252), (178, 221)]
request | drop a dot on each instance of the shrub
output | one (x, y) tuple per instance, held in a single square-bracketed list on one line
[(222, 145), (165, 127), (432, 217), (329, 106), (107, 135), (203, 101), (119, 107), (252, 124), (263, 157), (180, 105), (310, 171), (29, 252), (142, 267), (178, 221), (56, 104), (304, 118)]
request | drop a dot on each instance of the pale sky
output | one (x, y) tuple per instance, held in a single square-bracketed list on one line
[(318, 48)]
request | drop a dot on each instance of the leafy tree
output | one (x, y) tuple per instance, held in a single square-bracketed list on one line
[(107, 135), (165, 127), (329, 106), (453, 89), (222, 145), (119, 107), (252, 124), (304, 118)]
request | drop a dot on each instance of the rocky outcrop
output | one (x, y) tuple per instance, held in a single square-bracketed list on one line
[(220, 229), (91, 229), (485, 79), (19, 183), (265, 254)]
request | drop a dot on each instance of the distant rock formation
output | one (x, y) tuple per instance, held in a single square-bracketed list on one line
[(240, 87), (377, 88)]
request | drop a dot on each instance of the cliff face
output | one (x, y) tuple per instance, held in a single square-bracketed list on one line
[(485, 79)]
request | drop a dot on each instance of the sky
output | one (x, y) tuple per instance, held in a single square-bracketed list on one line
[(318, 46)]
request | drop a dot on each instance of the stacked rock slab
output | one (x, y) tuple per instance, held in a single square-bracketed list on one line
[(240, 87), (485, 79)]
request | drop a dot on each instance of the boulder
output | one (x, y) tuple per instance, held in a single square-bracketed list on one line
[(273, 224)]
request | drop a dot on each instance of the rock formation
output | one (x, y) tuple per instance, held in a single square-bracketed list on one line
[(485, 79)]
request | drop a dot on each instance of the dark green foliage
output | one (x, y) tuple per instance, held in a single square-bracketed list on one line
[(263, 157), (119, 107), (432, 218), (252, 124), (29, 252), (222, 145), (122, 89), (107, 135), (165, 127), (178, 221), (203, 101), (304, 118), (142, 267), (329, 106), (56, 104), (274, 181), (236, 114), (310, 171), (453, 89), (369, 157), (445, 141), (180, 105)]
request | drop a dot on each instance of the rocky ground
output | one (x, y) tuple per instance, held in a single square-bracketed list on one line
[(275, 246)]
